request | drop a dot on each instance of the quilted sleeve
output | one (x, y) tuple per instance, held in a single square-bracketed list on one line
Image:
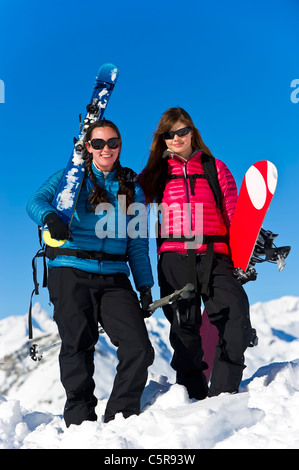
[(138, 244), (39, 204)]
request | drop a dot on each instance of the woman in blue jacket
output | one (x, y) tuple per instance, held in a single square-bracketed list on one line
[(88, 278)]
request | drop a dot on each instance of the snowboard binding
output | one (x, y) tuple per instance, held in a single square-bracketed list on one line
[(264, 250)]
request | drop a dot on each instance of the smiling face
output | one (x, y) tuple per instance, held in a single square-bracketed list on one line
[(180, 145), (104, 158)]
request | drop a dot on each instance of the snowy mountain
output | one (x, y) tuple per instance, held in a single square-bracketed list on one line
[(263, 415)]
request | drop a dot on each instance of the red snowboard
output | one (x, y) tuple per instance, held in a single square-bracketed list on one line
[(254, 199)]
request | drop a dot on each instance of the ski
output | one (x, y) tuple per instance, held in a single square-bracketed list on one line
[(68, 191)]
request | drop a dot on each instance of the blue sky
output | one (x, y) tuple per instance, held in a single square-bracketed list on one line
[(229, 64)]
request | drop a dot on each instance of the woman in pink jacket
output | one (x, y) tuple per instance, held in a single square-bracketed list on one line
[(193, 247)]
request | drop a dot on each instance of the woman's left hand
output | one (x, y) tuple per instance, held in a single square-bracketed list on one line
[(145, 300)]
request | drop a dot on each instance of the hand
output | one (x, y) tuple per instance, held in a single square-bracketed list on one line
[(58, 229), (243, 277), (145, 300)]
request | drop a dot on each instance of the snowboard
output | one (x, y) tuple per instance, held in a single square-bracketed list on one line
[(68, 190), (256, 193)]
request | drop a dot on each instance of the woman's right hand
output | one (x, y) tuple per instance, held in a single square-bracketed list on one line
[(58, 229)]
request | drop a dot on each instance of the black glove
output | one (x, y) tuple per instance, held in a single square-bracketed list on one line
[(58, 229), (243, 277), (145, 300)]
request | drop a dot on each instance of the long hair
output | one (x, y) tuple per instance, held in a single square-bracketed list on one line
[(98, 193), (154, 175)]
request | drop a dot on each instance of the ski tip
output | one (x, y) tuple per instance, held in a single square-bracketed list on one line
[(108, 72)]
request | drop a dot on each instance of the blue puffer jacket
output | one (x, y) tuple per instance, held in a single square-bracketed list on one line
[(85, 224)]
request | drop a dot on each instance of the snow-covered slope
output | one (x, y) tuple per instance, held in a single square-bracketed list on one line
[(263, 415)]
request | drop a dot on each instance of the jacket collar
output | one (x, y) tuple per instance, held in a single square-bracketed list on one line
[(169, 153), (99, 174)]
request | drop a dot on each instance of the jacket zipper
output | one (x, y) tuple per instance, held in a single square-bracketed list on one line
[(188, 198), (187, 191)]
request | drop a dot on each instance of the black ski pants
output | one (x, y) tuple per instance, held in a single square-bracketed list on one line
[(81, 300), (228, 309)]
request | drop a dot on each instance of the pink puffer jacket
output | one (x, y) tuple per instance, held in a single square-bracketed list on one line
[(199, 207)]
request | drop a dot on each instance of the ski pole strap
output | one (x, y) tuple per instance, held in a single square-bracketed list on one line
[(53, 252), (39, 254)]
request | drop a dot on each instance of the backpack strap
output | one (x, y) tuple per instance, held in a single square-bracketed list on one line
[(210, 173), (209, 166), (130, 177), (208, 240), (40, 254)]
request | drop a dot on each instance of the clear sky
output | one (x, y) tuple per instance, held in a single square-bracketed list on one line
[(229, 64)]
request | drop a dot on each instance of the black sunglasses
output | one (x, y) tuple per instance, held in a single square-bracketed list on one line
[(180, 132), (99, 144)]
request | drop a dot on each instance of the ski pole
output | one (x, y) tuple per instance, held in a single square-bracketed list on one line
[(183, 293), (37, 354)]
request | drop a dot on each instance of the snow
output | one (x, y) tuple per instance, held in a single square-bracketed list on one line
[(78, 156), (102, 98), (113, 74), (65, 198), (263, 415)]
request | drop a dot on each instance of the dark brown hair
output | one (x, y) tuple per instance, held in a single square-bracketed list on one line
[(154, 174), (99, 194)]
